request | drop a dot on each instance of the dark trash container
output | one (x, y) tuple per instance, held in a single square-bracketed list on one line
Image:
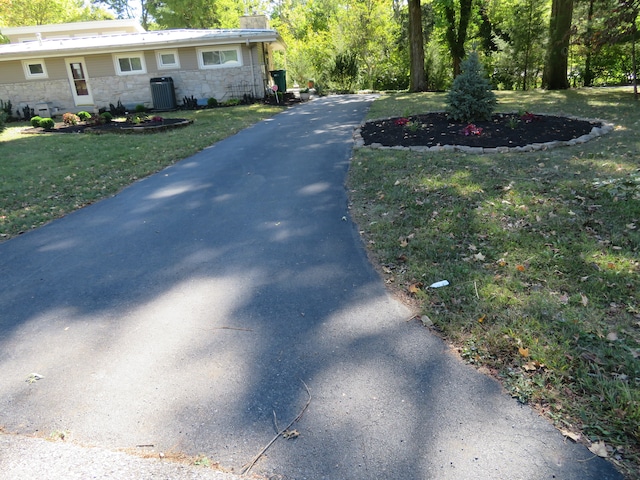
[(163, 93), (280, 79)]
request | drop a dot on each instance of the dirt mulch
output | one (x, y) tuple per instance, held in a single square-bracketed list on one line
[(115, 127), (503, 130)]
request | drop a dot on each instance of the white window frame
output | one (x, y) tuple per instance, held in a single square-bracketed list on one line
[(34, 76), (119, 56), (220, 48), (166, 66)]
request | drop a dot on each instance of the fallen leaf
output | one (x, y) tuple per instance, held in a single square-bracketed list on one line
[(387, 270), (612, 336), (34, 377), (529, 367), (479, 256), (520, 268), (403, 242), (397, 183), (573, 436), (426, 321), (564, 299), (481, 319), (524, 351), (599, 449), (290, 434), (472, 247), (611, 265), (415, 287), (584, 300)]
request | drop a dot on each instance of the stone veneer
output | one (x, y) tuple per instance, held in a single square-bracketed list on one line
[(131, 89)]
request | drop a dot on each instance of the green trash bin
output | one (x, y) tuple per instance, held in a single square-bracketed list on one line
[(280, 79)]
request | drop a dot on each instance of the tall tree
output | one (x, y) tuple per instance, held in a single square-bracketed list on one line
[(555, 69), (456, 15), (417, 76)]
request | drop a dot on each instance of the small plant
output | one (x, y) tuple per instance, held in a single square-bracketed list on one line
[(202, 461), (117, 110), (470, 98), (140, 108), (84, 116), (513, 122), (157, 119), (137, 118), (232, 102), (47, 123), (3, 117), (401, 122), (190, 103), (527, 117), (106, 117), (70, 118), (212, 102), (7, 108), (35, 121), (472, 130), (27, 113), (414, 126)]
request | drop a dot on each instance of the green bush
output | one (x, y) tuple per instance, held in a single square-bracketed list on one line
[(470, 98), (212, 102), (106, 117), (3, 117), (35, 121), (141, 108), (84, 116), (47, 123)]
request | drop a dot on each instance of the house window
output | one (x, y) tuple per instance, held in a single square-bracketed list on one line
[(168, 59), (130, 63), (210, 58), (34, 69)]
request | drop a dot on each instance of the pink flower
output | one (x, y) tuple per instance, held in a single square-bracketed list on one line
[(401, 121), (471, 129)]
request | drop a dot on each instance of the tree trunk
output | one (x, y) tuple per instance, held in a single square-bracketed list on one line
[(418, 81), (456, 33), (555, 70), (588, 75)]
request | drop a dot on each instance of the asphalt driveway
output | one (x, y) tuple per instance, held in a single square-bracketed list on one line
[(189, 312)]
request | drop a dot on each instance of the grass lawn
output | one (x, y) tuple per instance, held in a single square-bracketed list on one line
[(541, 251), (47, 176)]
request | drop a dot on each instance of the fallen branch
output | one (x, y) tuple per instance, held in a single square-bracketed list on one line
[(247, 467)]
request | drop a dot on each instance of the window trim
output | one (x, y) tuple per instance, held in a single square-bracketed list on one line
[(34, 76), (219, 48), (140, 55), (162, 66)]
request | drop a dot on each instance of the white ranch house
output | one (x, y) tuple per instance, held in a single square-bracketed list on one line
[(71, 67)]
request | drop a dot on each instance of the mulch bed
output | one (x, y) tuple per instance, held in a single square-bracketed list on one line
[(503, 130), (115, 127)]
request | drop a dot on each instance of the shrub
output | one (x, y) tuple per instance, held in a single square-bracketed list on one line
[(3, 117), (7, 108), (140, 108), (47, 123), (70, 118), (106, 117), (84, 116), (470, 98), (35, 121), (212, 102), (117, 110)]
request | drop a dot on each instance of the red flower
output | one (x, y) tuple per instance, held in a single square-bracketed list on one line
[(471, 129), (401, 121)]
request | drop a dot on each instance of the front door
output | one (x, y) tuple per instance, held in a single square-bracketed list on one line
[(77, 71)]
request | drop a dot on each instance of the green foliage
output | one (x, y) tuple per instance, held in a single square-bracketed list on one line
[(3, 118), (18, 13), (84, 116), (106, 117), (140, 108), (345, 71), (7, 108), (47, 123), (190, 103), (212, 102), (470, 98), (35, 121)]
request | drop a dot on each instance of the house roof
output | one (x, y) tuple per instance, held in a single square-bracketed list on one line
[(124, 42)]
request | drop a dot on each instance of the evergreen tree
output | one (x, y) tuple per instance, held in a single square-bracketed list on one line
[(470, 98)]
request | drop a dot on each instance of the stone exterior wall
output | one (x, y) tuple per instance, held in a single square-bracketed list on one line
[(220, 83)]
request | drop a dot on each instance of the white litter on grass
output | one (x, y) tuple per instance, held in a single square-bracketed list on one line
[(441, 283)]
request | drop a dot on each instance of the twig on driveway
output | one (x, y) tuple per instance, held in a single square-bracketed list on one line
[(247, 467)]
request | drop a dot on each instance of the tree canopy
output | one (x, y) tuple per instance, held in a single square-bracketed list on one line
[(401, 44)]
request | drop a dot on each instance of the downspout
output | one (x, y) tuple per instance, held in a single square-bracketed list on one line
[(253, 73)]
